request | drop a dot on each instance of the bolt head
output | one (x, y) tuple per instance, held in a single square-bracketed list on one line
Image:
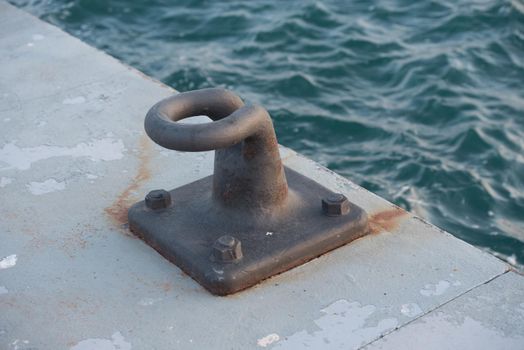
[(158, 199), (335, 204), (227, 249)]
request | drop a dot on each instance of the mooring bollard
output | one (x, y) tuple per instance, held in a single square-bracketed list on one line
[(253, 218)]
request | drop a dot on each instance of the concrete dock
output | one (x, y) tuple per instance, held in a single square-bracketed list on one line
[(74, 157)]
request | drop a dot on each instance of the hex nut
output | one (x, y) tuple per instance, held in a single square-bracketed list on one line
[(158, 199), (227, 249), (335, 204)]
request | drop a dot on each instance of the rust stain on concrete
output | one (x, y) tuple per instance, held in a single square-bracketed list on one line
[(386, 220), (118, 210)]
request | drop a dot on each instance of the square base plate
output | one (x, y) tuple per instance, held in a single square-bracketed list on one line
[(185, 232)]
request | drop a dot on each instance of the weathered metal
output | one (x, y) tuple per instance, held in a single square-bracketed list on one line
[(248, 170), (158, 199), (227, 249), (335, 205), (244, 223)]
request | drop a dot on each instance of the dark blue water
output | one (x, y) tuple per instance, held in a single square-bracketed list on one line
[(421, 102)]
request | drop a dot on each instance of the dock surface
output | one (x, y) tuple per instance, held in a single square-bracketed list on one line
[(74, 157)]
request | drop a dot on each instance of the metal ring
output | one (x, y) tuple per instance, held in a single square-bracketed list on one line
[(232, 120)]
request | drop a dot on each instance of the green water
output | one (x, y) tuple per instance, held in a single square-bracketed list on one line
[(421, 102)]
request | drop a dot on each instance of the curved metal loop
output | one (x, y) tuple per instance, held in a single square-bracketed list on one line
[(247, 196), (248, 170), (232, 120)]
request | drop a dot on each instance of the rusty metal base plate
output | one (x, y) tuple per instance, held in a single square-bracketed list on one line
[(185, 232)]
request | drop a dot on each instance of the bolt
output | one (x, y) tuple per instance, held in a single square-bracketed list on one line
[(336, 204), (158, 199), (227, 249)]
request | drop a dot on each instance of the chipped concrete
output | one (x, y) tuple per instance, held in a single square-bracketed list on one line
[(74, 100), (75, 115), (435, 289), (488, 317), (148, 301), (4, 181), (410, 309), (47, 186), (343, 325), (8, 261), (117, 342), (268, 340), (22, 158)]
